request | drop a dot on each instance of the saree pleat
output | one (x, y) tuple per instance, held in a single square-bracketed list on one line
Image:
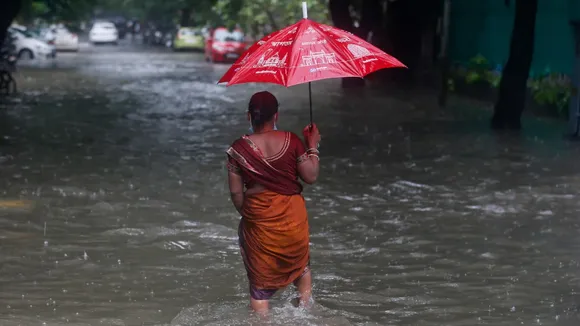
[(274, 239)]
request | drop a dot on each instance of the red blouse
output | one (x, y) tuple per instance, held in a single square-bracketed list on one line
[(285, 161)]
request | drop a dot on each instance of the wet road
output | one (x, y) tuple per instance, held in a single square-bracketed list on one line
[(420, 217)]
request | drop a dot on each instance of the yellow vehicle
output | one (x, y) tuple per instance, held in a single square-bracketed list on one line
[(188, 38)]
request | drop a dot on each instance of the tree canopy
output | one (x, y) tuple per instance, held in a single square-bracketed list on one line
[(66, 10), (249, 14), (274, 13)]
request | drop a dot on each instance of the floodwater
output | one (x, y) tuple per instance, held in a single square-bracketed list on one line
[(115, 207)]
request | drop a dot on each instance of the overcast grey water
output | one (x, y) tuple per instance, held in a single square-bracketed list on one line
[(115, 208)]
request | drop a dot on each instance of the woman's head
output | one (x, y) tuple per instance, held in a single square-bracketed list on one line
[(262, 109)]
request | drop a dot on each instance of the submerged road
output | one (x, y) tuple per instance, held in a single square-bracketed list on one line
[(115, 207)]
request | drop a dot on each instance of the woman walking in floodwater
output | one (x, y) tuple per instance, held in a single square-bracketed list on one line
[(273, 231)]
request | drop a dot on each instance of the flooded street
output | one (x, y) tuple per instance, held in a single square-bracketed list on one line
[(115, 207)]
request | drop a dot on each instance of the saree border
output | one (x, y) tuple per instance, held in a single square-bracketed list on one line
[(241, 160), (260, 154), (283, 151), (233, 168)]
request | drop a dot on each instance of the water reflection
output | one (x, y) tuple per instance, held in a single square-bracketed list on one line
[(421, 217)]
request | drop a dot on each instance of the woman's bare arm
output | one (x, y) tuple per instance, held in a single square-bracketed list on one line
[(236, 190), (308, 169)]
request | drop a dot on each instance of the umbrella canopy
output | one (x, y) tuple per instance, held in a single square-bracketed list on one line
[(307, 51)]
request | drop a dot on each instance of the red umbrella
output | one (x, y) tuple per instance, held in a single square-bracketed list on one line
[(304, 52)]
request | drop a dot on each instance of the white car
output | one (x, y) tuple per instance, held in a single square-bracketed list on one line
[(103, 32), (47, 35), (64, 40), (28, 47)]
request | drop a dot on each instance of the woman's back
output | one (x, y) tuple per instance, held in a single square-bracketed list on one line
[(280, 150), (270, 143)]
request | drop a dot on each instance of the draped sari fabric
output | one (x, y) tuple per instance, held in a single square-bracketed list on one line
[(274, 237), (277, 173)]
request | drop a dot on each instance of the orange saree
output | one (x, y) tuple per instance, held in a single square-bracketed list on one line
[(274, 235), (274, 239)]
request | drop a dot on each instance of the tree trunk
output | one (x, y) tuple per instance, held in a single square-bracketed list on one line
[(185, 17), (405, 25), (340, 14), (9, 11), (444, 62), (513, 86), (25, 15), (272, 19), (370, 26), (371, 17)]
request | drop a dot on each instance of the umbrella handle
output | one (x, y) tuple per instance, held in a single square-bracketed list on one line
[(310, 100), (305, 15)]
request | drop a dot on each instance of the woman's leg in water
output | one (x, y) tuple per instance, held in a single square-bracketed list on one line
[(304, 287), (259, 299), (259, 306)]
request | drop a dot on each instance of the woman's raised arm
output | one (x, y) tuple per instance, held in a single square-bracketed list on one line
[(308, 168)]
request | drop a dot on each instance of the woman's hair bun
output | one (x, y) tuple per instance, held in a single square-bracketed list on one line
[(262, 107)]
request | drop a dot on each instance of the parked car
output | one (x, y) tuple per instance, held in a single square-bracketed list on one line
[(159, 34), (119, 21), (64, 40), (58, 36), (38, 33), (103, 32), (29, 47), (45, 34), (224, 45), (188, 38)]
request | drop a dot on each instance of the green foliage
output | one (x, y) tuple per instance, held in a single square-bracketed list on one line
[(64, 10), (547, 89), (553, 90), (39, 9), (255, 14), (78, 10), (160, 10), (248, 14), (56, 10), (478, 70)]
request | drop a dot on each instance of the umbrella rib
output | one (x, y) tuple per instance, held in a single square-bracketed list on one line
[(253, 55), (382, 55), (292, 69), (333, 43)]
